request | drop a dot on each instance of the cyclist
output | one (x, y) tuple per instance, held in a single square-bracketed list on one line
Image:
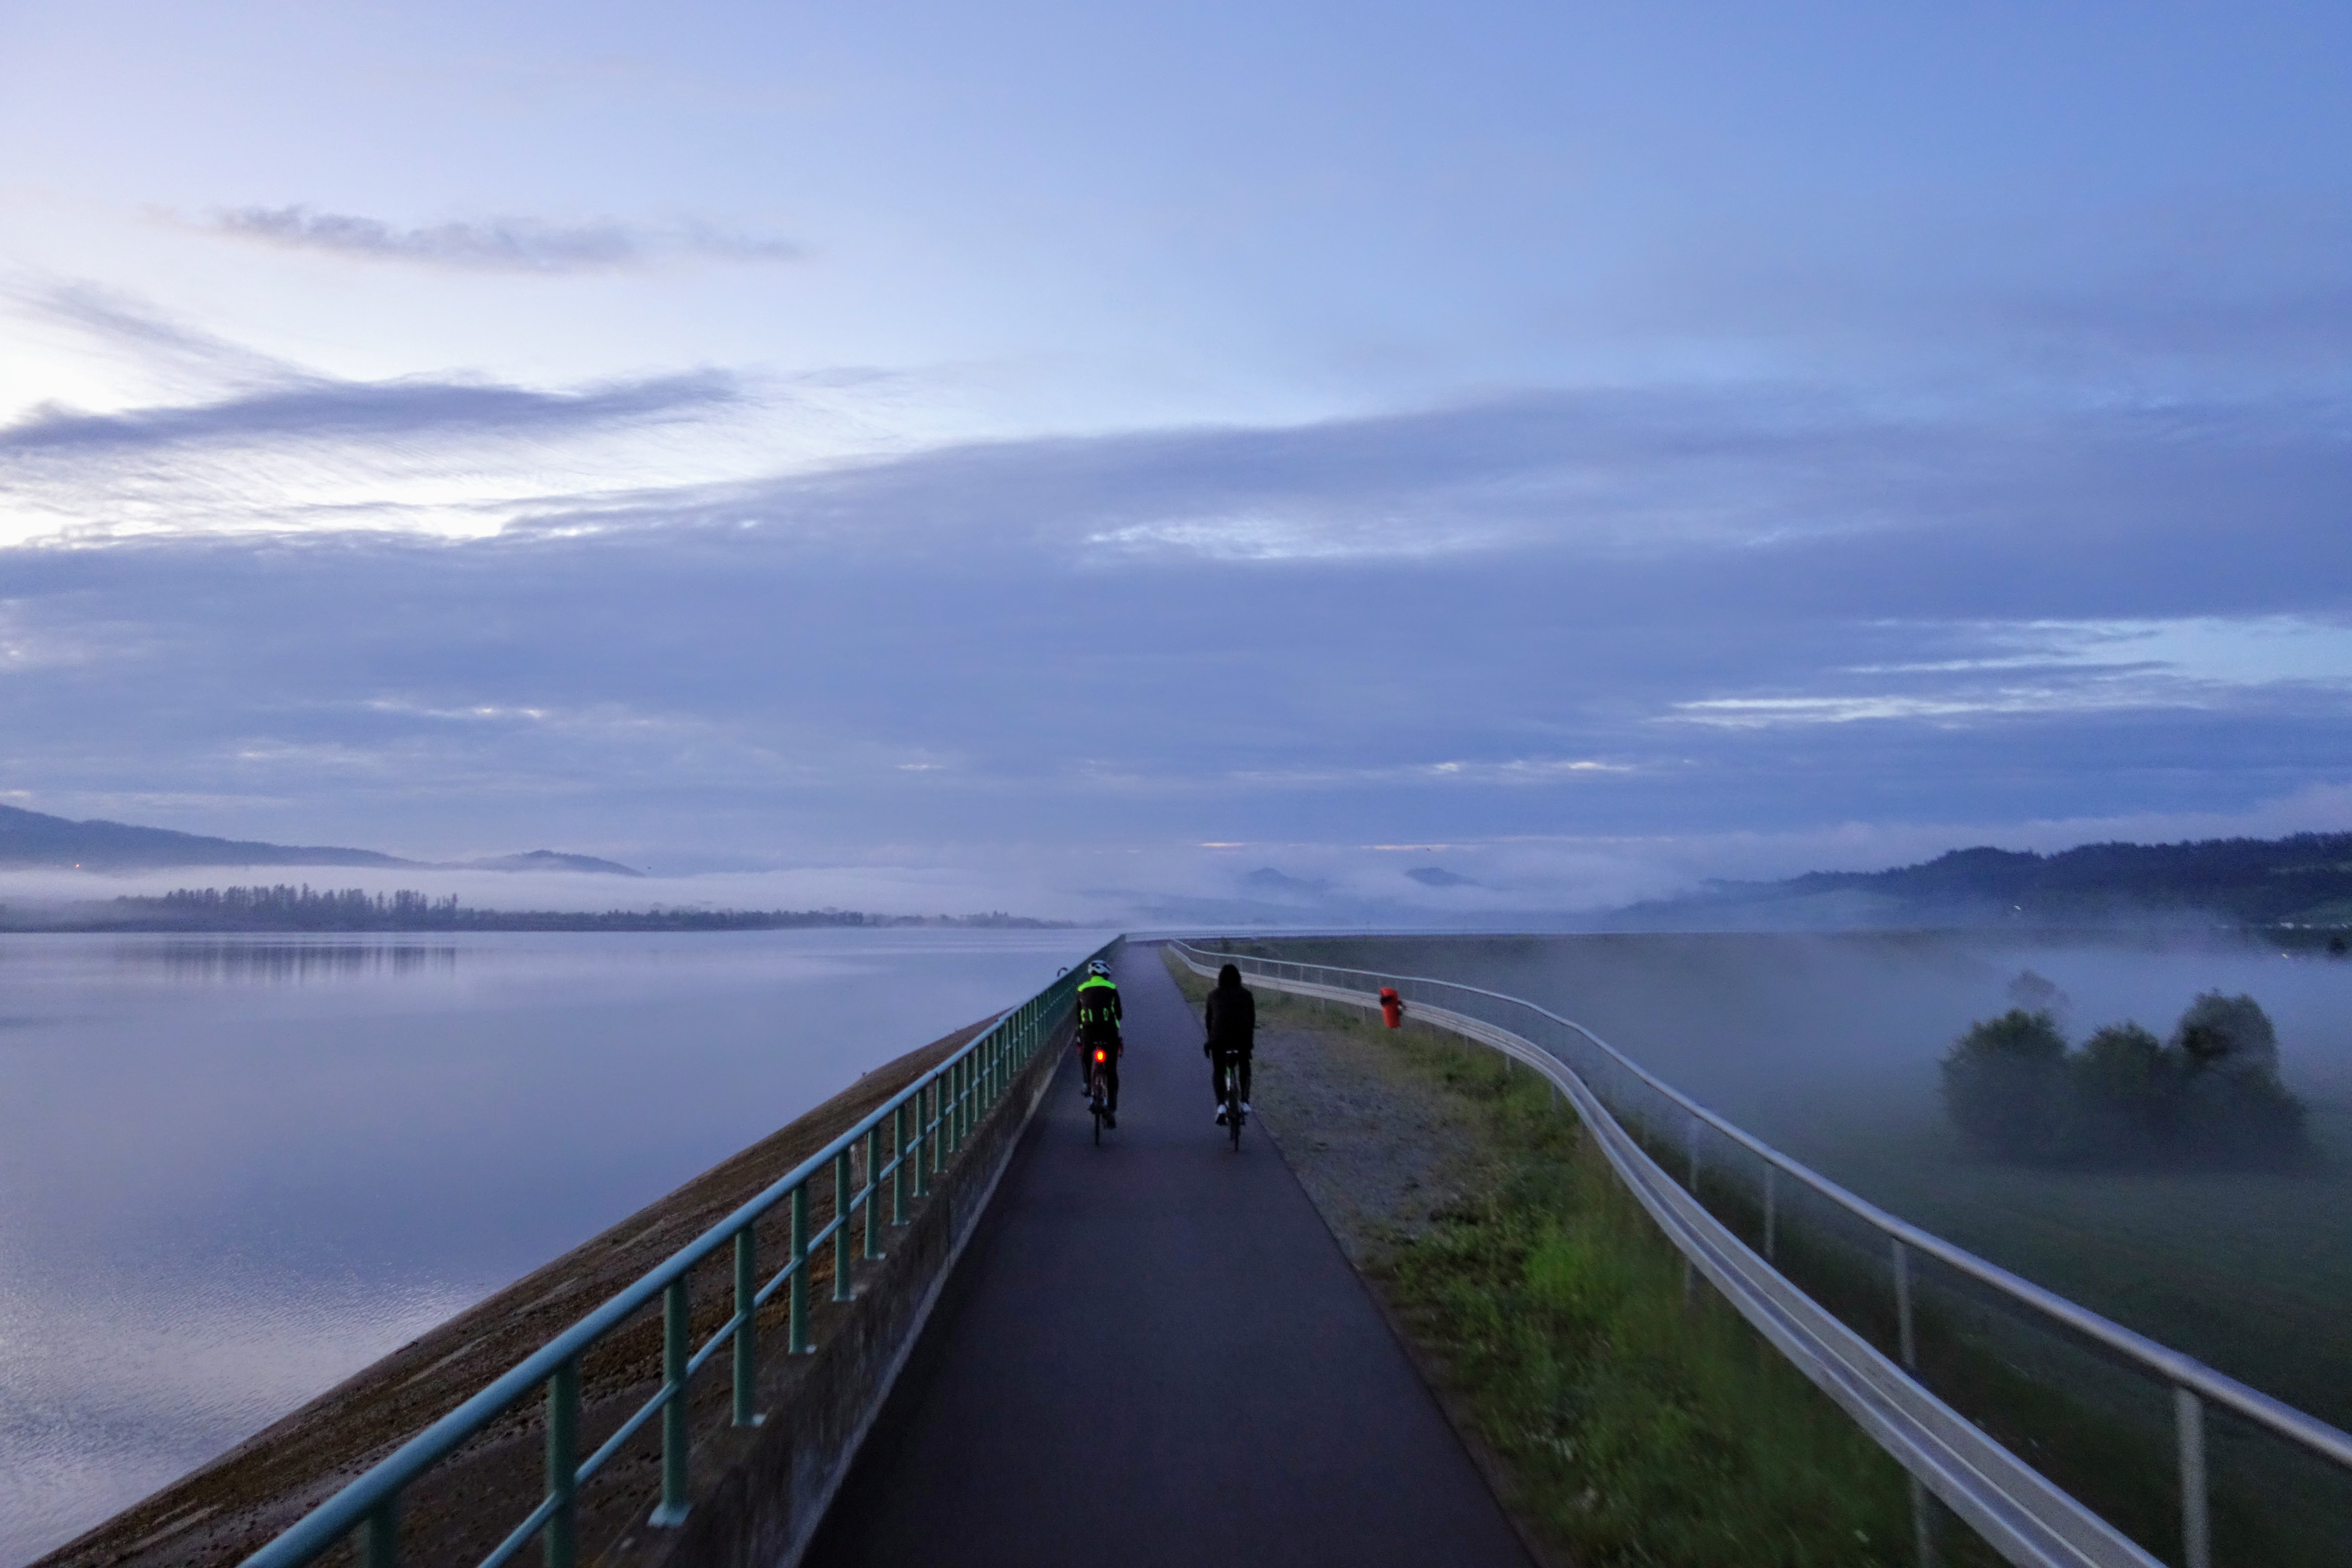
[(1232, 1036), (1098, 1015)]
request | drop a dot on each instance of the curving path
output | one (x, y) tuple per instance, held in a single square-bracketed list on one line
[(1154, 1353)]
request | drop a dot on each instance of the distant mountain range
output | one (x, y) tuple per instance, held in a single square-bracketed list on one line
[(30, 839), (2306, 879)]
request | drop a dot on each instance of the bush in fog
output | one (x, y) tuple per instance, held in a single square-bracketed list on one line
[(2230, 1034), (2005, 1081), (2211, 1095)]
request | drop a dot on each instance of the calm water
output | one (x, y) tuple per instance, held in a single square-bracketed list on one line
[(235, 1171)]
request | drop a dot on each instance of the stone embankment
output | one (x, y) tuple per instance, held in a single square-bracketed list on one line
[(757, 1492)]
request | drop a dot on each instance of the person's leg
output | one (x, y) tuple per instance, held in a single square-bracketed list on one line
[(1245, 1069), (1216, 1078), (1110, 1083)]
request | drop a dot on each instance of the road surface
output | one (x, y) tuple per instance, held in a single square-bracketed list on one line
[(1154, 1353)]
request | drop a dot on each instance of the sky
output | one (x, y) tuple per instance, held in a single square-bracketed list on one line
[(1082, 459)]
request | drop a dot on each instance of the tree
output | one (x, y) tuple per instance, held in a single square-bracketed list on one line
[(2210, 1095), (2227, 1034), (2005, 1084)]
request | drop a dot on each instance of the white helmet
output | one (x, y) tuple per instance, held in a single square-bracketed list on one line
[(1099, 966)]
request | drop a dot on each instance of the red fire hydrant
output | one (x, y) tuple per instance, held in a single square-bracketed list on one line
[(1391, 1007)]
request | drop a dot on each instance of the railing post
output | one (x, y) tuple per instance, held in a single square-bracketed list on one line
[(1904, 1339), (560, 1547), (922, 1142), (2196, 1520), (873, 1191), (380, 1536), (1771, 1214), (842, 1288), (746, 1340), (796, 1338), (898, 1161), (677, 1431)]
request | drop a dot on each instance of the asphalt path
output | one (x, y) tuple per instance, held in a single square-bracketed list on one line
[(1154, 1353)]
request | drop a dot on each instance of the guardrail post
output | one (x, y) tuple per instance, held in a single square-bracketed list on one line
[(560, 1547), (899, 1164), (950, 1103), (842, 1288), (380, 1536), (1771, 1207), (873, 1191), (796, 1338), (1904, 1339), (747, 1342), (676, 1432), (2196, 1518), (922, 1142)]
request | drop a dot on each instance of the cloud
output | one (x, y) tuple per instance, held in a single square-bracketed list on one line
[(954, 657), (496, 245), (128, 325), (369, 411)]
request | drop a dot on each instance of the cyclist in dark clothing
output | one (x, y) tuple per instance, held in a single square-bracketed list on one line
[(1099, 1016), (1232, 1036)]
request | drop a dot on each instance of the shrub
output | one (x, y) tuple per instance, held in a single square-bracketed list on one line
[(2005, 1083), (2228, 1034), (2126, 1091), (2211, 1095)]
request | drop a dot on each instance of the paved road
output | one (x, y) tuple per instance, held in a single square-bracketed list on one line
[(1154, 1353)]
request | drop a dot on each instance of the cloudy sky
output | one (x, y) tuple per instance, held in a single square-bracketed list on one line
[(1073, 457)]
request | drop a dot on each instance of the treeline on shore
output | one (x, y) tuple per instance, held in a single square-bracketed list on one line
[(2208, 1096), (288, 908)]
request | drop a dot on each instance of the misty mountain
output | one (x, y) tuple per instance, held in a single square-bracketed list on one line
[(31, 839), (2305, 879), (549, 860)]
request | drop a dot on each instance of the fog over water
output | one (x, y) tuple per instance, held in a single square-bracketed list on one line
[(233, 1170)]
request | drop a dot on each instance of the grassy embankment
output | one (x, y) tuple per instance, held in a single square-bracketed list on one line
[(1632, 1424)]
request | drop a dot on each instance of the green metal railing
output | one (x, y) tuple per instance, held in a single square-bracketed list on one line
[(928, 1122)]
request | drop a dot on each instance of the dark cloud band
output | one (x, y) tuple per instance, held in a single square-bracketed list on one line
[(368, 411)]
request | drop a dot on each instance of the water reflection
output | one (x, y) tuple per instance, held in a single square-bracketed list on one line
[(233, 1170), (222, 962)]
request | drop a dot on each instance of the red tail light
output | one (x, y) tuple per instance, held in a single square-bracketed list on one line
[(1101, 1054)]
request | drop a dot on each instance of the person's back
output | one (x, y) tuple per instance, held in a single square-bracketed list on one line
[(1099, 1015), (1232, 1019)]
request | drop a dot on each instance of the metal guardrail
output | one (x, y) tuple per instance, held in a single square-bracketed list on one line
[(2026, 1517), (929, 1120)]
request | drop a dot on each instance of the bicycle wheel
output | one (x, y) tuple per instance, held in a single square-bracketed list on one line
[(1234, 1107)]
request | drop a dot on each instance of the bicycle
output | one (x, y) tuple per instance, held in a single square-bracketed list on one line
[(1231, 1068), (1098, 1092)]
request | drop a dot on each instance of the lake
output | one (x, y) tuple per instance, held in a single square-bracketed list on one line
[(236, 1170)]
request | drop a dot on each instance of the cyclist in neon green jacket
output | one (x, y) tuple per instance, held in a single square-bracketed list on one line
[(1099, 1016)]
